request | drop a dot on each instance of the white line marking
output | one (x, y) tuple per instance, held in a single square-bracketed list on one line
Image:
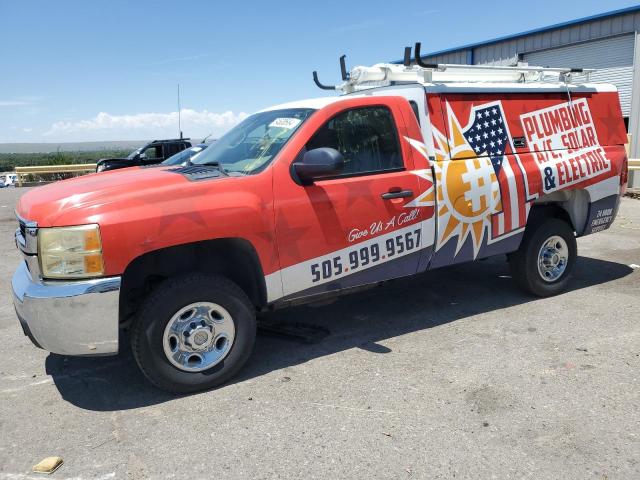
[(28, 385)]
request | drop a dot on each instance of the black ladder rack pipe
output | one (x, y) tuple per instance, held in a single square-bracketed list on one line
[(419, 61), (407, 56), (320, 85), (343, 68)]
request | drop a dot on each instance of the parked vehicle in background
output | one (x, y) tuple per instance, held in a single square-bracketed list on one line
[(152, 153), (10, 180), (412, 169), (183, 157)]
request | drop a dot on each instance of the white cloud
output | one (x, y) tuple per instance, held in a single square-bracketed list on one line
[(13, 103), (21, 101), (105, 126)]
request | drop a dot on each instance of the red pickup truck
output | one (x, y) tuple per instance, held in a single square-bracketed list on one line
[(411, 169)]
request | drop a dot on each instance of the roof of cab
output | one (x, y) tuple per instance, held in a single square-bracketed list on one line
[(314, 103)]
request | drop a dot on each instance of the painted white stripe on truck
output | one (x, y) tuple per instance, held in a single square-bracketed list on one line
[(301, 276)]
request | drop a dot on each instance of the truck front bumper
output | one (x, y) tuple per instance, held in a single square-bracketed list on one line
[(68, 317)]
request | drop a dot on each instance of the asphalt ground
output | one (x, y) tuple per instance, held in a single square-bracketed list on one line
[(451, 374)]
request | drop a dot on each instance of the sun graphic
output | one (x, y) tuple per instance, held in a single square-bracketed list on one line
[(466, 190)]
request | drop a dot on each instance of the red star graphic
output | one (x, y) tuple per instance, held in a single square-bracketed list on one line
[(290, 237)]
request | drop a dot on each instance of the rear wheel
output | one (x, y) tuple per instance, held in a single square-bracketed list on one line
[(193, 333), (543, 264)]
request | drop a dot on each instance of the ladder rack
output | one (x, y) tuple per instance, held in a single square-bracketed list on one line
[(376, 75), (521, 68), (381, 74)]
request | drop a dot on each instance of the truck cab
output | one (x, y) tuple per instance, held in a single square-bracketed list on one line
[(413, 172), (152, 153)]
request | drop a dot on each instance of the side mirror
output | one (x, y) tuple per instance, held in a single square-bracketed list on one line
[(319, 163), (142, 156)]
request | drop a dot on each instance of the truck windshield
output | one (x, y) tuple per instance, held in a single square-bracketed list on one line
[(181, 157), (251, 145), (133, 154)]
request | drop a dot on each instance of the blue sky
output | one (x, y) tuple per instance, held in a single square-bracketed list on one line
[(108, 70)]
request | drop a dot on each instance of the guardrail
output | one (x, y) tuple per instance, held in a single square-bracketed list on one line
[(40, 169), (634, 164)]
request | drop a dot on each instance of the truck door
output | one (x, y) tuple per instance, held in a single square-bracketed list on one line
[(358, 227)]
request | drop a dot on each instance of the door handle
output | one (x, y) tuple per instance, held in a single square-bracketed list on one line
[(397, 194)]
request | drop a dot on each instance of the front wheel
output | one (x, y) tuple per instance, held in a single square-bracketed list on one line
[(193, 333), (543, 264)]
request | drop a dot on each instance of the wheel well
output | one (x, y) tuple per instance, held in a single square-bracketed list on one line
[(549, 210), (234, 258), (572, 206)]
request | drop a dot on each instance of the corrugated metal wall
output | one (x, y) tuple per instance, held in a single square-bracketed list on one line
[(613, 57), (459, 56), (605, 27), (506, 52), (606, 44)]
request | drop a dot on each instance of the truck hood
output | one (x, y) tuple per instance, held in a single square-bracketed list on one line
[(82, 199)]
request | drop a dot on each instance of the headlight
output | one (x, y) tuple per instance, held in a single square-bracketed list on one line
[(70, 252), (100, 168)]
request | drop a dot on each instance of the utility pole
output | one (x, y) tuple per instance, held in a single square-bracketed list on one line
[(179, 113)]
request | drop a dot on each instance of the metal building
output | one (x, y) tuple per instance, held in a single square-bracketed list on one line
[(608, 42)]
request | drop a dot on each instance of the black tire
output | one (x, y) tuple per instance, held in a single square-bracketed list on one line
[(524, 262), (157, 310)]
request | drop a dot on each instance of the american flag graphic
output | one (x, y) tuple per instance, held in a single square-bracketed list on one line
[(489, 135)]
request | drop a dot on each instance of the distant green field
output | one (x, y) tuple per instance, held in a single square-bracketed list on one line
[(8, 161)]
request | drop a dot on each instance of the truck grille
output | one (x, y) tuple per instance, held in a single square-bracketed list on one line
[(26, 236)]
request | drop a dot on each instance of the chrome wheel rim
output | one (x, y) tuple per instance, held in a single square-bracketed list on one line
[(198, 336), (553, 258)]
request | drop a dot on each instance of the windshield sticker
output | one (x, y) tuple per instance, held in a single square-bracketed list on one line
[(287, 123)]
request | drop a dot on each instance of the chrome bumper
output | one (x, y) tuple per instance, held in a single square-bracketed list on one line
[(68, 318)]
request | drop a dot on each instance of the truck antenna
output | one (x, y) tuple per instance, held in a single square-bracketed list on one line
[(179, 111)]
